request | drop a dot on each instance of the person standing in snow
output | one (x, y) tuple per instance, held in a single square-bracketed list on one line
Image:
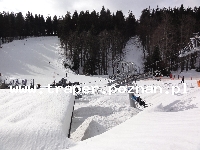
[(182, 80)]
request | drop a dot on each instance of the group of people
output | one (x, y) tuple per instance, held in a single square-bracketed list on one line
[(16, 82)]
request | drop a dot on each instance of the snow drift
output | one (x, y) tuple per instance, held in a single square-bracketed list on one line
[(35, 121)]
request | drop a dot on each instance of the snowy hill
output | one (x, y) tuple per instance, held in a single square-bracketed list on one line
[(101, 121), (32, 58)]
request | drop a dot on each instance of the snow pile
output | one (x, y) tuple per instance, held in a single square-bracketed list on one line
[(35, 121), (89, 128), (93, 130)]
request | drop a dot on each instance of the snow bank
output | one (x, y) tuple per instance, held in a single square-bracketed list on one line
[(35, 121)]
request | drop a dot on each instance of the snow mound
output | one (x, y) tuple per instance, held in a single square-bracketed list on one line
[(89, 128)]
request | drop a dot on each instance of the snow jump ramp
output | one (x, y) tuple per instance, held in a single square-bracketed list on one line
[(89, 128)]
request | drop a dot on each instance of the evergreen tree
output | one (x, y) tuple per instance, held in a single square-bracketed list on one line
[(20, 25), (55, 25), (41, 26), (49, 26)]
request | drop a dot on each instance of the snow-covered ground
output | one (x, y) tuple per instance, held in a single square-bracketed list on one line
[(192, 74), (34, 120), (38, 121), (172, 122)]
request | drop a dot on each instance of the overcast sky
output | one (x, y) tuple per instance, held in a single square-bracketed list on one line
[(60, 7)]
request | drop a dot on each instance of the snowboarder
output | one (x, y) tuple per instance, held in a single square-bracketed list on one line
[(134, 97), (139, 100), (132, 102)]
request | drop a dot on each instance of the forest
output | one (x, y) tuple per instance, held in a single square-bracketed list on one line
[(94, 41)]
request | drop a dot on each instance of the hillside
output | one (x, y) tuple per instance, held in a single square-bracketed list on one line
[(101, 120)]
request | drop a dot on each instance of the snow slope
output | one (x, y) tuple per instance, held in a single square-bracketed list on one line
[(101, 121), (134, 53), (30, 59)]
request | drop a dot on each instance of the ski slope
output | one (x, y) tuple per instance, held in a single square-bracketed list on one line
[(101, 121), (36, 58), (134, 53)]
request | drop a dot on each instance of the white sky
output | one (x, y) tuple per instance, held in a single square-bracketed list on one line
[(60, 7)]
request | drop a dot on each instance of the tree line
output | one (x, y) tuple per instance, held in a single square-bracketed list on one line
[(94, 42), (164, 32), (16, 26)]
